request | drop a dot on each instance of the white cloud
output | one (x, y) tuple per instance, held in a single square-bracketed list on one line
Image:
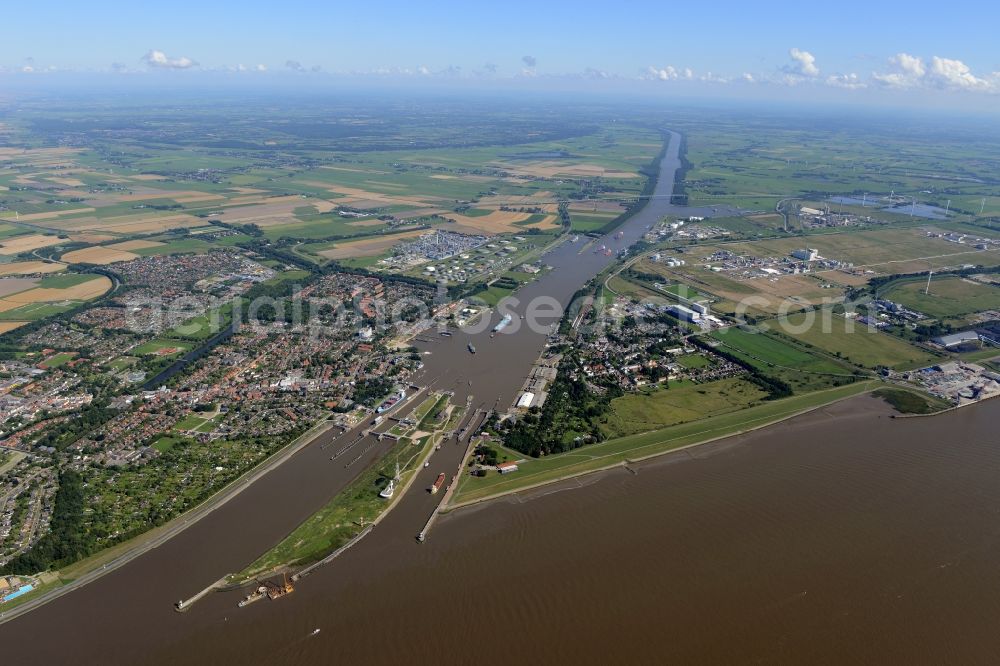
[(804, 63), (906, 71), (594, 73), (909, 71), (423, 70), (529, 61), (668, 73), (849, 81), (294, 65), (948, 73), (159, 60)]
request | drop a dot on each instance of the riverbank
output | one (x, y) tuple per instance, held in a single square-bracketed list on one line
[(534, 473), (56, 584)]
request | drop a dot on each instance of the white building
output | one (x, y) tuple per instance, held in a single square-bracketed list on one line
[(681, 312), (525, 400), (808, 254)]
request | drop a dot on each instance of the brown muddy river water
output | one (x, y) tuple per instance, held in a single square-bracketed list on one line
[(840, 536)]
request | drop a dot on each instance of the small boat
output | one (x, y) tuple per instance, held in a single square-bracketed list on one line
[(315, 631), (472, 348), (389, 489)]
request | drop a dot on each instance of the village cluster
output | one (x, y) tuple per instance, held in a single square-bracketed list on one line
[(192, 431)]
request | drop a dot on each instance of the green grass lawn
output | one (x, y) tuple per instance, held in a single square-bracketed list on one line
[(154, 346), (803, 368), (643, 411), (165, 443), (691, 361), (59, 359), (35, 311), (122, 362), (66, 280), (853, 342), (190, 422), (911, 402)]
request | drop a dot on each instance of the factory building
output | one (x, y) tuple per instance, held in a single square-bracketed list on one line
[(685, 313)]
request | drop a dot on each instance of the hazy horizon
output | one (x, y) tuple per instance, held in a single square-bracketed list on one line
[(871, 55)]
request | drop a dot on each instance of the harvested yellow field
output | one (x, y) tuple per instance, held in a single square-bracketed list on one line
[(336, 168), (80, 292), (68, 182), (553, 169), (198, 198), (54, 214), (368, 247), (158, 224), (135, 245), (27, 243), (91, 238), (98, 255), (147, 176), (500, 221), (29, 267), (150, 193), (367, 199), (6, 326)]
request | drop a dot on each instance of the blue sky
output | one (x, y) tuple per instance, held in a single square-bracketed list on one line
[(855, 48)]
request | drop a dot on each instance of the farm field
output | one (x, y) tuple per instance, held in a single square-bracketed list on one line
[(753, 163), (367, 247), (884, 251), (18, 244), (98, 255), (61, 293), (949, 297), (30, 267)]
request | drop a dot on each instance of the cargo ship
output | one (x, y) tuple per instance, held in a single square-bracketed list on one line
[(436, 486), (472, 348), (503, 323)]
